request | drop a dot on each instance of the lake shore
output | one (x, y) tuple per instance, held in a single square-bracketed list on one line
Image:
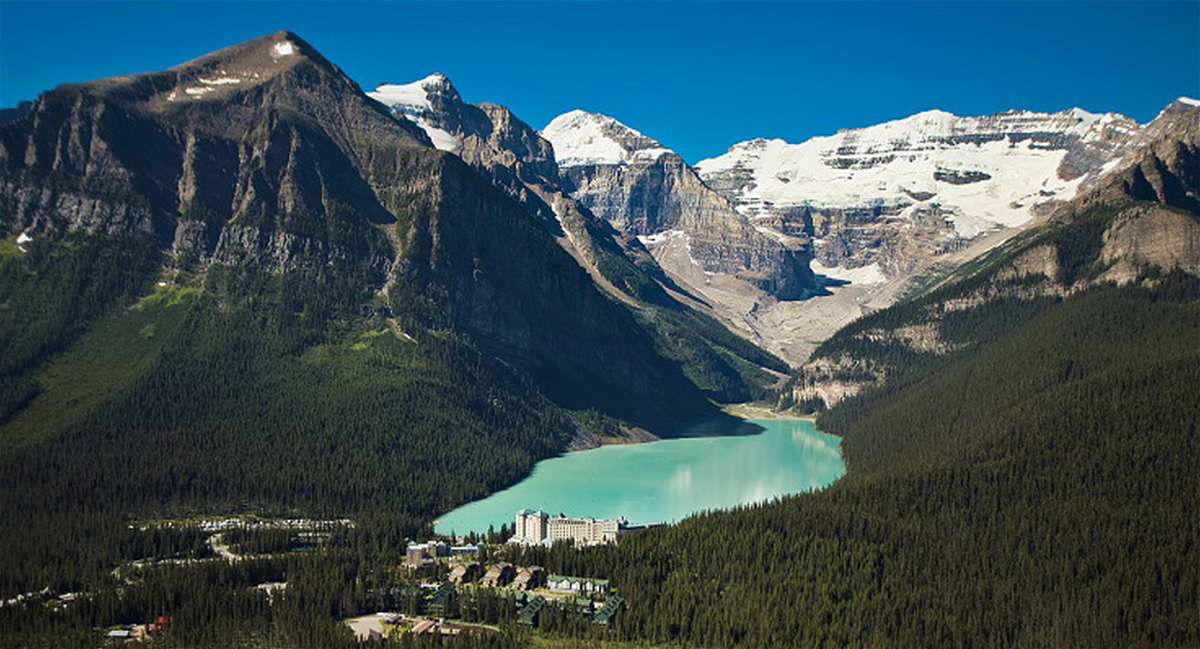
[(760, 411), (667, 480)]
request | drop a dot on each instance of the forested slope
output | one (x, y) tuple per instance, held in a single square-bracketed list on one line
[(1021, 453), (1039, 492), (240, 285)]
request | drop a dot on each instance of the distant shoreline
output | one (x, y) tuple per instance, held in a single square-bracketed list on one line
[(755, 411)]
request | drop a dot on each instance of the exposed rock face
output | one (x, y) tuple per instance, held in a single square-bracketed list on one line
[(257, 148), (646, 190), (1140, 219), (20, 110), (519, 161), (903, 193), (266, 155)]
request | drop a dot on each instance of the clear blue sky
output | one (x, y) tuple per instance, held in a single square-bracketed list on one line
[(699, 77)]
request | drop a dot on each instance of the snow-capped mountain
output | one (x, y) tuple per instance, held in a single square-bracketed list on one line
[(519, 161), (581, 138), (645, 189), (416, 101), (899, 192)]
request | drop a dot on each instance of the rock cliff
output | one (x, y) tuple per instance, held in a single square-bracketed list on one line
[(902, 193), (646, 190), (1133, 224)]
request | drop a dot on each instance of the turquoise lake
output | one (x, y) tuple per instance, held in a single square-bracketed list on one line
[(667, 480)]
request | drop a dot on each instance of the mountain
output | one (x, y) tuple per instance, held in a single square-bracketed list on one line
[(1021, 465), (648, 191), (873, 208), (888, 207), (241, 284), (519, 161), (266, 154), (900, 193), (1142, 215)]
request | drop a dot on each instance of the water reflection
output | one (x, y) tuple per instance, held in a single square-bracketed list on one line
[(668, 480)]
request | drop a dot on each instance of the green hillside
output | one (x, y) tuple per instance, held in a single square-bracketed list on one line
[(1037, 488)]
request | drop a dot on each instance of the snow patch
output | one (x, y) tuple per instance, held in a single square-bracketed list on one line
[(282, 49), (442, 140), (652, 240), (412, 101), (220, 81), (581, 138), (869, 274), (22, 240), (409, 97)]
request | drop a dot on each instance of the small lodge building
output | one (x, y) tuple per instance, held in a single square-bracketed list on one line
[(529, 614), (499, 574), (465, 573), (530, 578), (441, 597), (578, 585), (607, 612)]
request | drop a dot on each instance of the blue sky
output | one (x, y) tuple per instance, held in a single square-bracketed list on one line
[(697, 76)]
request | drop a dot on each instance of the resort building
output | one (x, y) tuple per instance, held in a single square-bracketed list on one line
[(529, 578), (537, 527), (422, 554), (578, 585), (465, 573), (499, 574)]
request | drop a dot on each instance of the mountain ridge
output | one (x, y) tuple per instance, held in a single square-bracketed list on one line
[(297, 170), (1144, 214)]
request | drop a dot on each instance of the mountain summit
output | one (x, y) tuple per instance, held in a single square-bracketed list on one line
[(646, 190), (581, 138), (520, 162), (263, 166)]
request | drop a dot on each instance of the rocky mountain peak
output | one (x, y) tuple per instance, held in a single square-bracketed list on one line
[(221, 74), (645, 190), (1177, 115), (417, 97), (432, 103), (583, 138)]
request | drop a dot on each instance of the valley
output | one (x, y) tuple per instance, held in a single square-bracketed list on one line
[(280, 359)]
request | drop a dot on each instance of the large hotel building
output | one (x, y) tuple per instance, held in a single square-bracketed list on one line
[(535, 527)]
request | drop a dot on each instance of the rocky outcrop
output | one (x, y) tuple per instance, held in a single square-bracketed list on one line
[(1166, 169), (22, 109), (646, 190), (1150, 236)]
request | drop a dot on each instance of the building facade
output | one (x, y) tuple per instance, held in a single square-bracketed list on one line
[(537, 527)]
